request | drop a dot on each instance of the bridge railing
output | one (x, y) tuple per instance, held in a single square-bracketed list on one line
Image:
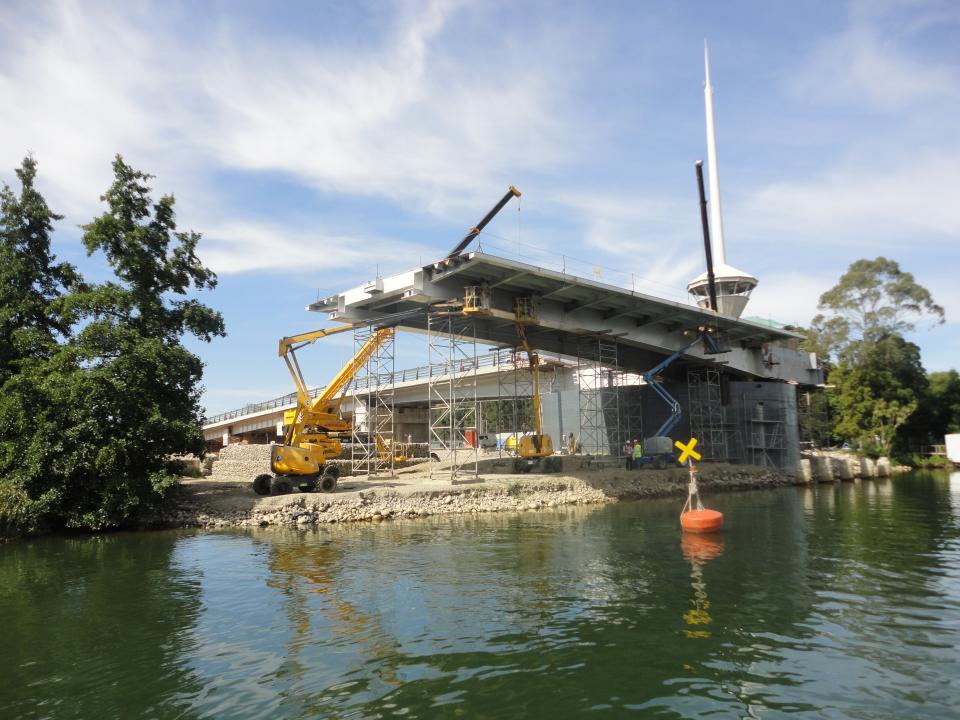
[(423, 372)]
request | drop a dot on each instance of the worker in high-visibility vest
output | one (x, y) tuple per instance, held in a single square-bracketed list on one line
[(637, 454)]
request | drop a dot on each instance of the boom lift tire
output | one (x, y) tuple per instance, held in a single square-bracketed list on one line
[(307, 483), (281, 486), (261, 484), (328, 483)]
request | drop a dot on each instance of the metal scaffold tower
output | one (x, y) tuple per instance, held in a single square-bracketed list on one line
[(452, 392), (631, 410), (514, 392), (373, 446), (764, 439), (706, 412), (598, 376)]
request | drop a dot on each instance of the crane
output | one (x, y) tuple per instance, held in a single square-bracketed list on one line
[(315, 426), (462, 245)]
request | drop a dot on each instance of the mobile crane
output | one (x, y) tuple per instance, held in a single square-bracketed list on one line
[(315, 427)]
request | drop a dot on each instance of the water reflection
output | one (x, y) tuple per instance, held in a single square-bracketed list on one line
[(820, 601), (97, 627), (698, 550)]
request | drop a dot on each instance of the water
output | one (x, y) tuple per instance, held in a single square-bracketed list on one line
[(836, 602)]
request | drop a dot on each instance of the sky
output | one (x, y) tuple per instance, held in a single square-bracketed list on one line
[(316, 144)]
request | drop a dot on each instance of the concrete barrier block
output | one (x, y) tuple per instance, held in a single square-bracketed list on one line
[(805, 471), (868, 468), (883, 467), (822, 469), (843, 468)]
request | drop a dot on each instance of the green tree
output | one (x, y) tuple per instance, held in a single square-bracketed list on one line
[(873, 299), (879, 379), (88, 428), (31, 281), (33, 321), (876, 395)]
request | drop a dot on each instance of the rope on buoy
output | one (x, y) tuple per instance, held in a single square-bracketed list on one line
[(693, 491), (694, 517)]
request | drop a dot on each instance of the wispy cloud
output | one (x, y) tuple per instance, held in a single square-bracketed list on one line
[(394, 120)]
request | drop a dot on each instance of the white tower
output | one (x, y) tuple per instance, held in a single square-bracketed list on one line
[(733, 286)]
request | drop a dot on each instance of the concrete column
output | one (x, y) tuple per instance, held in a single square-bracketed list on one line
[(868, 468), (806, 472)]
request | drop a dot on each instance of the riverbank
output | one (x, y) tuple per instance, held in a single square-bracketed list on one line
[(412, 493)]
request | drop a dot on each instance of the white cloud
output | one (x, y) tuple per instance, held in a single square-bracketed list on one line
[(396, 120), (862, 204), (862, 65), (234, 247)]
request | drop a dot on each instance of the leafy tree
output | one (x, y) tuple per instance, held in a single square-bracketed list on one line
[(944, 396), (939, 411), (872, 300), (876, 395), (88, 427), (33, 318), (31, 281)]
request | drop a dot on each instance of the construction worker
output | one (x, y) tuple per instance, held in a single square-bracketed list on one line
[(628, 454), (637, 454)]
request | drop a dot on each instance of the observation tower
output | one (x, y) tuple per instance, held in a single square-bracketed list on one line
[(733, 286)]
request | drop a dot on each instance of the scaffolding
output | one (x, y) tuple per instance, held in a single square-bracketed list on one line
[(707, 424), (599, 378), (764, 441), (452, 392), (372, 447), (514, 397)]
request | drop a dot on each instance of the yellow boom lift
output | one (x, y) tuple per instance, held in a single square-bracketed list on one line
[(315, 427), (534, 452)]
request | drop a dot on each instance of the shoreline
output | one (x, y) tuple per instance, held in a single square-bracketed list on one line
[(209, 503)]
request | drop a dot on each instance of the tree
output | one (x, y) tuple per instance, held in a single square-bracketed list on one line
[(86, 429), (873, 299), (876, 395), (31, 281), (33, 320), (879, 379)]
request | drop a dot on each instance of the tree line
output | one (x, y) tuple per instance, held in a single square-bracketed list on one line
[(879, 398), (97, 390)]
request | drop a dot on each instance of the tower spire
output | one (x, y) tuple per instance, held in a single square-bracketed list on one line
[(733, 287), (716, 213)]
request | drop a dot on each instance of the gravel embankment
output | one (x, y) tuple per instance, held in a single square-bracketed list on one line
[(226, 499)]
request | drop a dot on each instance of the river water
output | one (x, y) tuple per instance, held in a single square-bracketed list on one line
[(837, 602)]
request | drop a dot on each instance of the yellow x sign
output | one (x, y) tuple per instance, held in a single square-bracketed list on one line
[(687, 450)]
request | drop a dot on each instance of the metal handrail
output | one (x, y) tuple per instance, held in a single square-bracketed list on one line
[(490, 359)]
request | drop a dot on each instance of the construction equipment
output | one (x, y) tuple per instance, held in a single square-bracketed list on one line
[(658, 449), (315, 427), (534, 451), (462, 245), (391, 451)]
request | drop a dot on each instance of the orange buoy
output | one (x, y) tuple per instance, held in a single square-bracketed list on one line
[(701, 521)]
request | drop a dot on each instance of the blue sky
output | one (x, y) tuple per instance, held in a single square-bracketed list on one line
[(316, 143)]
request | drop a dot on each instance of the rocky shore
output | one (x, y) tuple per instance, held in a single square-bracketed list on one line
[(225, 499)]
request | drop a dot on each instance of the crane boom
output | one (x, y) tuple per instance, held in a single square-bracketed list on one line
[(462, 245)]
